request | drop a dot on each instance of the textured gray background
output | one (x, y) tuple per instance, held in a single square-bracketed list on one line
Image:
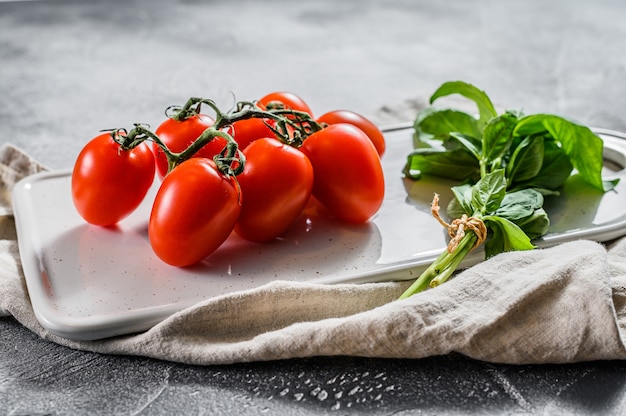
[(71, 68)]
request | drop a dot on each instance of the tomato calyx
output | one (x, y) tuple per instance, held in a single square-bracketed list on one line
[(230, 161), (124, 140), (182, 113), (275, 105)]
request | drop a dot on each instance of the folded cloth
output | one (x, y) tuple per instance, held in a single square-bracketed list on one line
[(557, 305)]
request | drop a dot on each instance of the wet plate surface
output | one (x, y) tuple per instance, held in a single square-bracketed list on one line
[(88, 282)]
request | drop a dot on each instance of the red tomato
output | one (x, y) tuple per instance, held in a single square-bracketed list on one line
[(348, 173), (109, 183), (289, 100), (369, 128), (276, 184), (247, 131), (178, 135), (194, 211)]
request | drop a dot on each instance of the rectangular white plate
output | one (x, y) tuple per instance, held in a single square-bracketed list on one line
[(87, 282)]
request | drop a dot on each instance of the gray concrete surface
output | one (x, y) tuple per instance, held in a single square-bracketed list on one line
[(71, 68)]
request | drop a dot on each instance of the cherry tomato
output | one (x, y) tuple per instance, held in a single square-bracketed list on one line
[(178, 135), (247, 131), (194, 212), (350, 117), (276, 184), (348, 173), (109, 183), (289, 100)]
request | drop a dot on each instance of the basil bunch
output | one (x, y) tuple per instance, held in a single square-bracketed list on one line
[(506, 164)]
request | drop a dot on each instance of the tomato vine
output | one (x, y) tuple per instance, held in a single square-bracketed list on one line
[(205, 170), (291, 127)]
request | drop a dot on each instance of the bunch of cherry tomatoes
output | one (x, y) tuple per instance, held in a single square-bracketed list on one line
[(253, 169)]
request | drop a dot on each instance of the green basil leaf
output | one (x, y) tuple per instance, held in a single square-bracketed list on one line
[(462, 201), (489, 191), (527, 159), (506, 236), (531, 125), (467, 143), (535, 225), (519, 204), (555, 170), (455, 209), (437, 124), (498, 136), (456, 164), (486, 110), (583, 147)]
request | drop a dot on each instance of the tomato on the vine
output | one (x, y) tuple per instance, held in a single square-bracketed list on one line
[(370, 129), (108, 182), (249, 130), (290, 100), (178, 135), (194, 212), (349, 179), (276, 184)]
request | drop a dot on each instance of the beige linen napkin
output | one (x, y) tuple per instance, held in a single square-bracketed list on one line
[(558, 305)]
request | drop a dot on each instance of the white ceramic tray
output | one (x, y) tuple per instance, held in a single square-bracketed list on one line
[(88, 282)]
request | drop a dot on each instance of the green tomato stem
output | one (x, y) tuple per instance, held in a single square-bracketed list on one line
[(230, 161), (186, 111), (129, 139), (292, 127), (300, 122)]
